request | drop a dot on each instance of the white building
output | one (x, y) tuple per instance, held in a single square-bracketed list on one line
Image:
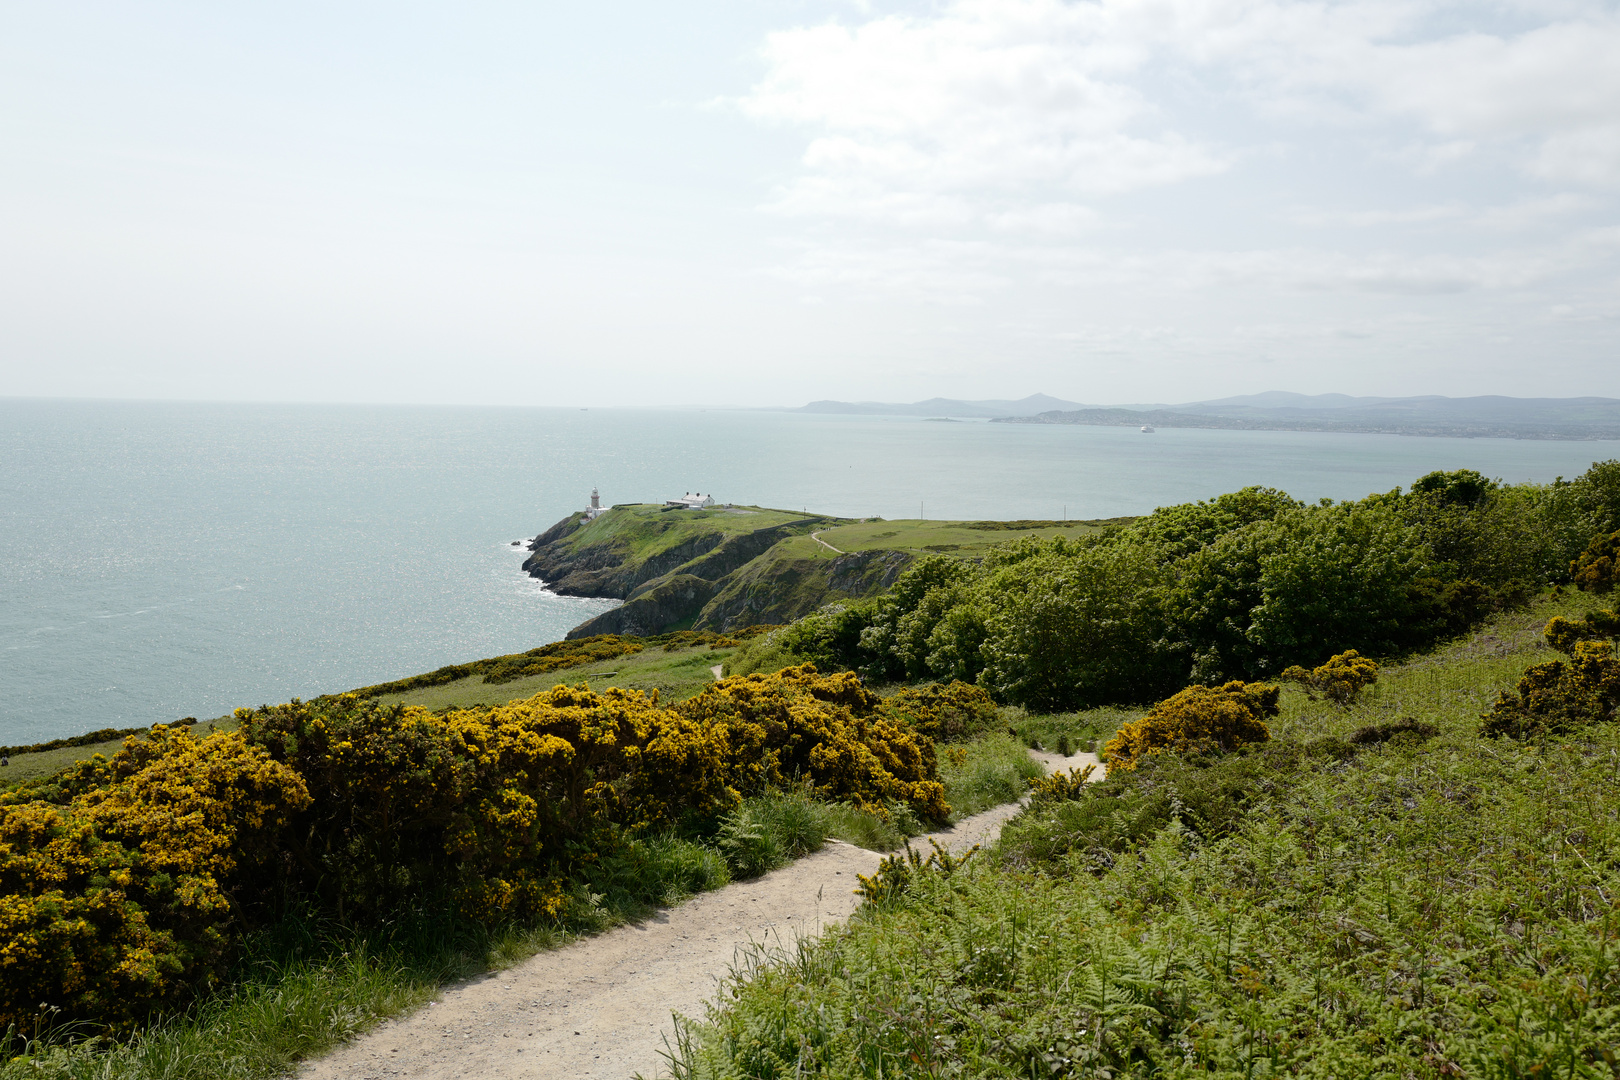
[(692, 501), (595, 510)]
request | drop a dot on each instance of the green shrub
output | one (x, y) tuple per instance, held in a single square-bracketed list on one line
[(946, 712), (748, 843), (1199, 719), (1407, 728), (1340, 680)]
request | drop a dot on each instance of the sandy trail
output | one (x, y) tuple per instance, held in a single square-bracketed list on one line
[(816, 536), (601, 1007)]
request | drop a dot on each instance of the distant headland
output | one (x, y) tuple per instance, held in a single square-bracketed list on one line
[(1462, 417)]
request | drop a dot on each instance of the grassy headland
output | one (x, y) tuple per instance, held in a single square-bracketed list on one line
[(727, 568)]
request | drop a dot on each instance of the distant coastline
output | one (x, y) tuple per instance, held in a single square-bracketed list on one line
[(1372, 425), (1578, 419)]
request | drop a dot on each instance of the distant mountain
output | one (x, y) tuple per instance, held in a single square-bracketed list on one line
[(985, 410), (1282, 399), (1472, 417)]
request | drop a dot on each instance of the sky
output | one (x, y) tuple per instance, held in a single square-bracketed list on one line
[(770, 202)]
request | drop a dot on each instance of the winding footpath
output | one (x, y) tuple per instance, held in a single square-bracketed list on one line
[(816, 536), (601, 1007)]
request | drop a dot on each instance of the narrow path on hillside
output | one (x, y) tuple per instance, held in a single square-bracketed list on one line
[(601, 1006), (816, 536)]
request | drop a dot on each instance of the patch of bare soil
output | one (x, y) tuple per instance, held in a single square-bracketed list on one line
[(602, 1007)]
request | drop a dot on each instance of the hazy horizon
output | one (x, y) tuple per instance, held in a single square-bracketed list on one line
[(766, 204)]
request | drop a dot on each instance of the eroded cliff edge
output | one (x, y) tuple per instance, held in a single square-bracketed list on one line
[(719, 569)]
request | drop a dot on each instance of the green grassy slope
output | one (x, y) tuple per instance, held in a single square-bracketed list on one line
[(676, 674), (27, 766), (1420, 907), (647, 529), (961, 538)]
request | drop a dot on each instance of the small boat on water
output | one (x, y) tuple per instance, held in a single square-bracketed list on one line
[(1147, 429)]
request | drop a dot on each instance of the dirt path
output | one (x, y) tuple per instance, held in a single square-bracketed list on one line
[(601, 1006), (816, 536)]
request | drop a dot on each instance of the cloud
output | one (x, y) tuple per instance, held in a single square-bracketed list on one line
[(1020, 96), (985, 99)]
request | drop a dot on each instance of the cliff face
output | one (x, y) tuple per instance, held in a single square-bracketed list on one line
[(664, 606), (713, 570), (781, 590)]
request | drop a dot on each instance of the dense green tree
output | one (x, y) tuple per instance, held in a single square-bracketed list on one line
[(894, 644), (1343, 579), (1211, 605), (1080, 628), (1179, 531)]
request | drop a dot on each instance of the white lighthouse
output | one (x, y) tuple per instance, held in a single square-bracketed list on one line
[(594, 511)]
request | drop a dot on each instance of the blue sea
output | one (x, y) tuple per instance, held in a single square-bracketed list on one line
[(164, 560)]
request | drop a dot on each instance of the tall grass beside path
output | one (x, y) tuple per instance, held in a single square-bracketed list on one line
[(1426, 906)]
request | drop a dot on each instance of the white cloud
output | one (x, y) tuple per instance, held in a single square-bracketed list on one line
[(998, 96), (989, 98)]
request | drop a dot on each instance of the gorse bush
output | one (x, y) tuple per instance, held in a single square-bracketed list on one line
[(1341, 680), (127, 883), (1199, 719), (1060, 786), (1595, 570), (1564, 633), (947, 712), (827, 731), (118, 876), (1562, 696), (1559, 696), (482, 803)]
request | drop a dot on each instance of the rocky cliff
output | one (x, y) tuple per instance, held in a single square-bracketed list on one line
[(712, 570)]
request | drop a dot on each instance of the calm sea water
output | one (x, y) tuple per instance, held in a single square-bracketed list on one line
[(168, 560)]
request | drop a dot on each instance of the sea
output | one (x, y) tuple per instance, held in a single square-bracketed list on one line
[(164, 560)]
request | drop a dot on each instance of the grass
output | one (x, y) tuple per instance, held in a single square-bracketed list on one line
[(29, 766), (1069, 733), (643, 530), (922, 537), (676, 675), (1422, 907), (987, 772)]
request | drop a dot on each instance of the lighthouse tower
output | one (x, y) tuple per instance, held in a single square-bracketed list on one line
[(595, 510)]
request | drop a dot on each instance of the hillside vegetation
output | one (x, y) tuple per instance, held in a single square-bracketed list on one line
[(726, 568), (1243, 586), (1372, 889), (1320, 842)]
